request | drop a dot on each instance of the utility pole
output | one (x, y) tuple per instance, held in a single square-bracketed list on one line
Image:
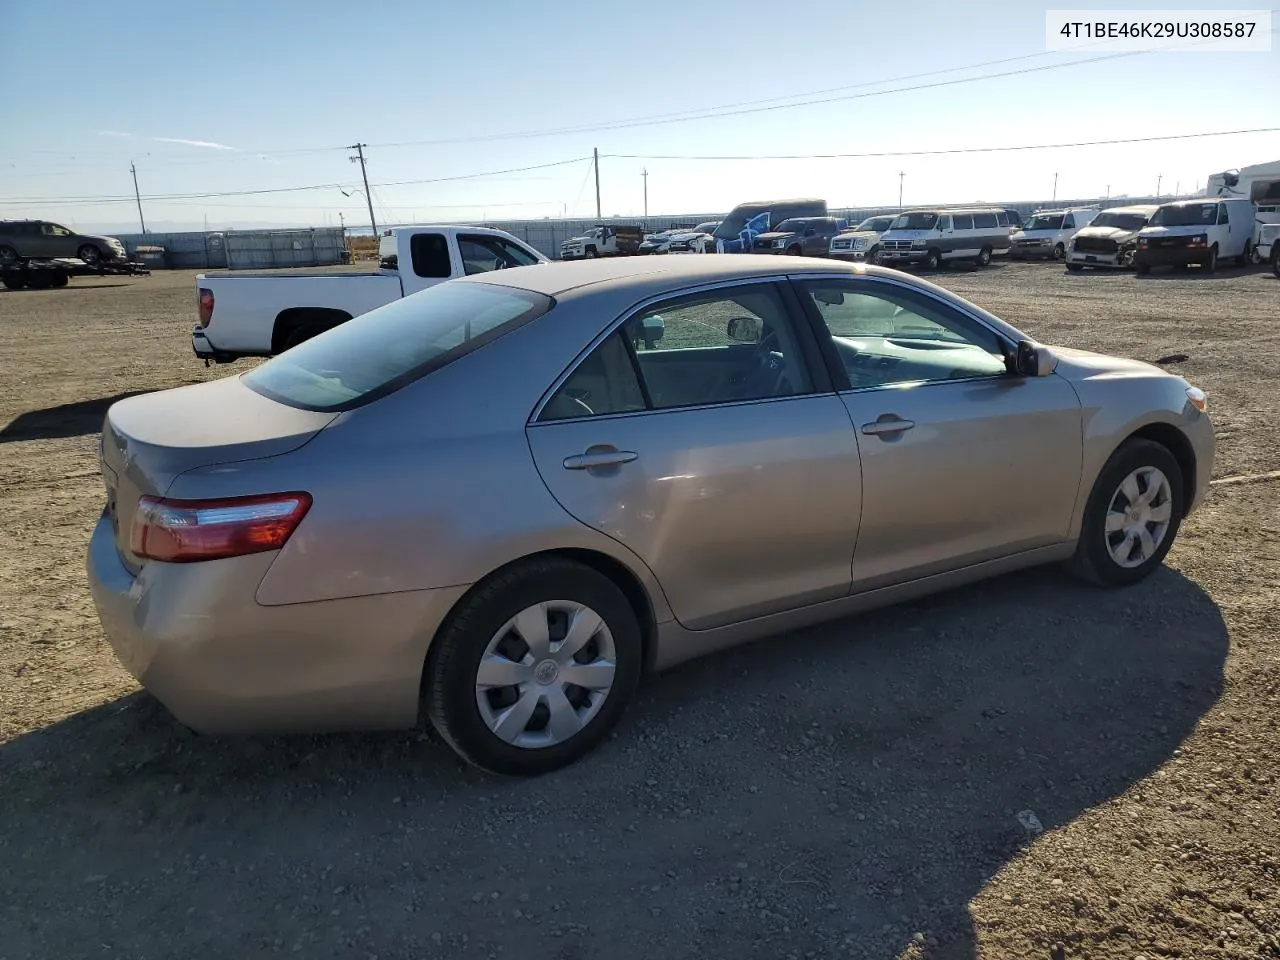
[(900, 178), (1055, 188), (595, 154), (359, 158), (137, 196), (1108, 191), (1159, 177), (1177, 187), (342, 223), (645, 174)]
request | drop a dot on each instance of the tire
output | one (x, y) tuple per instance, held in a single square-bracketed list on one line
[(60, 280), (1211, 261), (90, 254), (40, 279), (1245, 256), (984, 257), (873, 256), (1075, 267), (13, 281), (794, 251), (454, 698), (1095, 558), (591, 253), (8, 256), (933, 260), (1275, 259), (1142, 269), (1059, 252), (301, 334)]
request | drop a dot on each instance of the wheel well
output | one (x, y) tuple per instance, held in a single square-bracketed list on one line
[(290, 320), (1176, 442)]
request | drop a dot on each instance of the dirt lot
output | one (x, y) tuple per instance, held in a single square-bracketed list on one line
[(856, 791)]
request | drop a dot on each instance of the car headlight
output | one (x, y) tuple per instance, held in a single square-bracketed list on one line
[(780, 243), (1199, 240), (859, 244), (1197, 398), (919, 244)]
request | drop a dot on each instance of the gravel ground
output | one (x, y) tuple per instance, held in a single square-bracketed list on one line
[(1029, 768)]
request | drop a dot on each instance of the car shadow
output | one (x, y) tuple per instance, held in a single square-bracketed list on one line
[(1223, 272), (65, 420), (840, 791), (69, 287)]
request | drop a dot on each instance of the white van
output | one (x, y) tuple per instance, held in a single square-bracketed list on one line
[(1201, 231), (933, 238), (1048, 233)]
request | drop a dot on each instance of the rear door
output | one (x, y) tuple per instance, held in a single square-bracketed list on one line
[(961, 461), (430, 261), (721, 456)]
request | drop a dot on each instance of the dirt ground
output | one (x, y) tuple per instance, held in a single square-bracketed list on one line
[(1029, 768)]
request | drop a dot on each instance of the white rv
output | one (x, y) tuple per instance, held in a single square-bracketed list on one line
[(1259, 183)]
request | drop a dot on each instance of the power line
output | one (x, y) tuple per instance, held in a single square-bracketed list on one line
[(924, 153), (752, 107)]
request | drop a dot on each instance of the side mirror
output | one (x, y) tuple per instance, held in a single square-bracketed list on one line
[(1034, 360), (744, 329)]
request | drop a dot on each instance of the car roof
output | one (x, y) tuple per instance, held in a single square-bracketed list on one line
[(1144, 208)]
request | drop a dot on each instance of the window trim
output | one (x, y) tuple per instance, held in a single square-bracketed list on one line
[(821, 382), (835, 367)]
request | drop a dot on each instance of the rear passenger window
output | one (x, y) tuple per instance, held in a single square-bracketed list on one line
[(983, 221), (430, 254), (1002, 219), (605, 382), (963, 221)]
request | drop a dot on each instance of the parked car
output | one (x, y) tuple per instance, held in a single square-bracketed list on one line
[(1187, 232), (862, 242), (935, 238), (658, 242), (737, 232), (1048, 232), (41, 240), (603, 240), (698, 240), (449, 504), (1110, 239), (801, 236), (262, 314)]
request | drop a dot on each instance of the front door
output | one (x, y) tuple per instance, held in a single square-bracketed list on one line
[(704, 435), (961, 460)]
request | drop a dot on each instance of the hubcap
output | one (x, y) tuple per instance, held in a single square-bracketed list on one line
[(545, 674), (1139, 515)]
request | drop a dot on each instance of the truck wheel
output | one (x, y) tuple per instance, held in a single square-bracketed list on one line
[(302, 333), (8, 256), (1275, 258), (40, 279), (1059, 252), (933, 260), (1245, 255), (984, 257), (1211, 261), (794, 251), (89, 254), (591, 253), (13, 281), (873, 255), (60, 280)]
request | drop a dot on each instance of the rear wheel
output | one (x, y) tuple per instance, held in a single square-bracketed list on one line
[(933, 260), (13, 281), (302, 333), (8, 256), (1275, 258), (1132, 515), (984, 257), (1142, 268), (534, 668), (89, 254)]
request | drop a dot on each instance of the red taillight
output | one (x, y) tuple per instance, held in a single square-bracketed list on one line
[(206, 306), (184, 531)]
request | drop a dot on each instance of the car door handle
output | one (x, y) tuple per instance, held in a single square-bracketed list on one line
[(599, 458), (887, 424)]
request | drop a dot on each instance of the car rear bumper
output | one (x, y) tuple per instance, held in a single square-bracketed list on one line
[(220, 662)]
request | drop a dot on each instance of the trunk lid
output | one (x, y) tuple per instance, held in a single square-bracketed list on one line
[(148, 440)]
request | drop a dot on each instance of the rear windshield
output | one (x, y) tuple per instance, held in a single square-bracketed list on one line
[(381, 351)]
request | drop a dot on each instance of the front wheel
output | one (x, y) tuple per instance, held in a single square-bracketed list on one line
[(8, 256), (873, 256), (1075, 267), (89, 254), (534, 668), (1245, 256), (1059, 252), (794, 251), (1132, 515), (984, 257), (591, 253), (932, 260), (13, 281), (1275, 258), (1211, 261)]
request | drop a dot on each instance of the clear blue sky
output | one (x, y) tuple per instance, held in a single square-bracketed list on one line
[(102, 85)]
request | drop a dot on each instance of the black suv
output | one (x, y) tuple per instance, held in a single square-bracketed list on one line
[(801, 236), (39, 240)]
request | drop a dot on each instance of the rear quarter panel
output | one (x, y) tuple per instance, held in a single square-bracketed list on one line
[(246, 307)]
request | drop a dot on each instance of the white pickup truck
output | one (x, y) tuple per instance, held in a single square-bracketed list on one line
[(262, 314)]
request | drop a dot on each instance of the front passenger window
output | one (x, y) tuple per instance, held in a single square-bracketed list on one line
[(1222, 213)]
